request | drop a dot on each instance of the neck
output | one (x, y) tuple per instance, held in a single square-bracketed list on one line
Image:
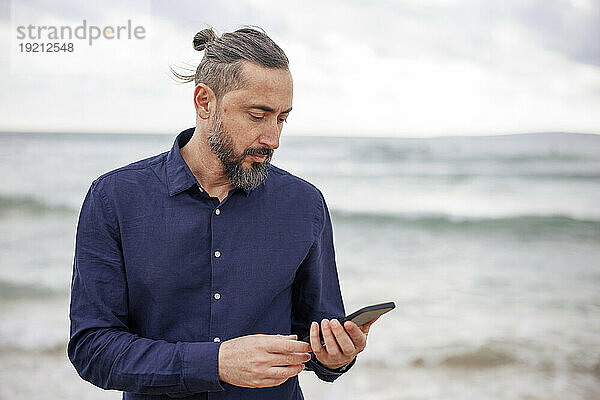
[(206, 166)]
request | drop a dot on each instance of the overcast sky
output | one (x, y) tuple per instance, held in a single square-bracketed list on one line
[(367, 68)]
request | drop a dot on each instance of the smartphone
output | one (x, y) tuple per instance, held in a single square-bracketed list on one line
[(361, 317)]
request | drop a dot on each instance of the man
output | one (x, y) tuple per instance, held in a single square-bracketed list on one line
[(193, 268)]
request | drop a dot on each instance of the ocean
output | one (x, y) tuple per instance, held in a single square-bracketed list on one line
[(489, 246)]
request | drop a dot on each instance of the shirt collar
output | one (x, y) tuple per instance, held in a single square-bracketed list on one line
[(179, 174)]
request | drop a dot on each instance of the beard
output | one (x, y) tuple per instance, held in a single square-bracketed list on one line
[(221, 144)]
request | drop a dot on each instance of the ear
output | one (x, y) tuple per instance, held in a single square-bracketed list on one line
[(204, 100)]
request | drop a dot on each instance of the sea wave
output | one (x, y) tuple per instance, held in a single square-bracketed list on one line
[(521, 223), (382, 172), (55, 347), (512, 174), (382, 153), (31, 204), (16, 290)]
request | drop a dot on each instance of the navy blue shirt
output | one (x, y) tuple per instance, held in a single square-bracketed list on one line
[(163, 273)]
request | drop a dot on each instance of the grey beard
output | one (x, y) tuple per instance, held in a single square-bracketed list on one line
[(221, 144)]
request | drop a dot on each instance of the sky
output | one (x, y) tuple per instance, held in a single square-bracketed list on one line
[(414, 68)]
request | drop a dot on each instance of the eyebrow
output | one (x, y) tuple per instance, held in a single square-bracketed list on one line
[(269, 109)]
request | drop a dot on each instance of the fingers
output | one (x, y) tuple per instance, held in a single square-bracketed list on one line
[(315, 341), (247, 362), (358, 337), (343, 340), (330, 343), (290, 359), (287, 351), (281, 374), (287, 344), (338, 339)]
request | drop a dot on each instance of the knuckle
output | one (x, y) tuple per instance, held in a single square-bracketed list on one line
[(349, 351), (255, 382), (280, 374), (259, 359), (262, 345)]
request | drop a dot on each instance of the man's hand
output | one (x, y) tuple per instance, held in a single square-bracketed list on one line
[(341, 345), (256, 361)]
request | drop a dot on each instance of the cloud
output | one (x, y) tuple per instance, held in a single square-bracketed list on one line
[(415, 68)]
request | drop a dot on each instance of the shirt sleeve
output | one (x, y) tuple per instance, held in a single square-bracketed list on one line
[(316, 292), (101, 347)]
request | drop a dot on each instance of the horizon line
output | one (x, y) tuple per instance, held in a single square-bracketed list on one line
[(304, 134)]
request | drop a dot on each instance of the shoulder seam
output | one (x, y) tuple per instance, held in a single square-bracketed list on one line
[(130, 167), (106, 202), (320, 213)]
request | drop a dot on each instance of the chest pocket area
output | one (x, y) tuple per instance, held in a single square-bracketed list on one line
[(165, 253)]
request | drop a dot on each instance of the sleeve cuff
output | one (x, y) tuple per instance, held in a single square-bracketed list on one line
[(201, 367), (327, 374), (341, 369)]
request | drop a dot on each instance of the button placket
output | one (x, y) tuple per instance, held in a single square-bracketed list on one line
[(217, 317)]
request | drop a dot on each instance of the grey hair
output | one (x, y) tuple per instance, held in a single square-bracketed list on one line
[(221, 65)]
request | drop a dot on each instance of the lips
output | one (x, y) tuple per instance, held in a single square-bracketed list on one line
[(258, 157)]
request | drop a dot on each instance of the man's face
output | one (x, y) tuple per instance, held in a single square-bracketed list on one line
[(247, 124)]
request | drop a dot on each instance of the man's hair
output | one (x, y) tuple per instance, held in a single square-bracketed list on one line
[(220, 68)]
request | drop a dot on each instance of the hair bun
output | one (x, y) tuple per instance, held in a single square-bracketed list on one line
[(203, 38)]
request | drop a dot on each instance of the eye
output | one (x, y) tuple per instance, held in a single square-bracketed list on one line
[(257, 117)]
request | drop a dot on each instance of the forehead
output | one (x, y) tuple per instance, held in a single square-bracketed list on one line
[(270, 87)]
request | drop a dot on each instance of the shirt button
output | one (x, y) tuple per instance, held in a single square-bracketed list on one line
[(199, 189), (217, 211), (217, 254), (216, 339), (217, 296)]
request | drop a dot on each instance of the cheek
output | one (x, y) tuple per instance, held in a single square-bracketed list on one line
[(245, 135), (243, 131)]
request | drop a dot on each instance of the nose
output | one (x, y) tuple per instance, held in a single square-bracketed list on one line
[(270, 136)]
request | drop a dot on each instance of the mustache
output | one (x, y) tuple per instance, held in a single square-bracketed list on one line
[(264, 151)]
